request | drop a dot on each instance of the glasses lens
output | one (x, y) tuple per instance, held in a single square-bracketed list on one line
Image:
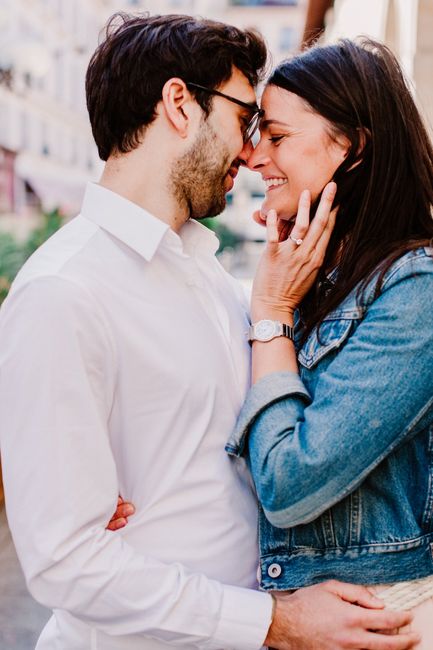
[(251, 127)]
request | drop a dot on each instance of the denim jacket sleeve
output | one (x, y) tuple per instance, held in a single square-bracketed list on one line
[(306, 455)]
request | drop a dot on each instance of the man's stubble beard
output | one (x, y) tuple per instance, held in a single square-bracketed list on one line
[(197, 177)]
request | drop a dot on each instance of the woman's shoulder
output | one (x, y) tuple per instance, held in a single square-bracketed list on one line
[(410, 264)]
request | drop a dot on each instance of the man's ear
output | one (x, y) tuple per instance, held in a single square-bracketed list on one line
[(178, 105)]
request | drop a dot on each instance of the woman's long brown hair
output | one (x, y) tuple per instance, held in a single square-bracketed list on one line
[(385, 184)]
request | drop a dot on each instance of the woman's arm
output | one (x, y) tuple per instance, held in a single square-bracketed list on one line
[(373, 395)]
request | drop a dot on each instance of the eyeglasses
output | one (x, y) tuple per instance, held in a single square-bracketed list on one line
[(257, 113)]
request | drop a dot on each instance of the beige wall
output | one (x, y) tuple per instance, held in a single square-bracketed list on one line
[(405, 25), (423, 59)]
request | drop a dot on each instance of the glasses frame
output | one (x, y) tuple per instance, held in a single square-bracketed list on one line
[(257, 113)]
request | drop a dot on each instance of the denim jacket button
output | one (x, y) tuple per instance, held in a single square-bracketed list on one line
[(274, 570)]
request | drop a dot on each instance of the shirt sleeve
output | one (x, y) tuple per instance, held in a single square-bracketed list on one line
[(305, 455), (57, 382)]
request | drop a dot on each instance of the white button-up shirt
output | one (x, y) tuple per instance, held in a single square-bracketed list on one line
[(123, 365)]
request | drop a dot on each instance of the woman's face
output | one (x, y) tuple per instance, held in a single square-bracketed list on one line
[(295, 151)]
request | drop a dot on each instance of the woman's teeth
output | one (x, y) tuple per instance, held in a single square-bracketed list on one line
[(273, 182)]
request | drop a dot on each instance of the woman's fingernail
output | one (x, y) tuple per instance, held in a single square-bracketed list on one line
[(331, 189), (129, 510), (272, 213)]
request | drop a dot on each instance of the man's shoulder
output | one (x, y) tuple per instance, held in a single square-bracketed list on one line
[(59, 251)]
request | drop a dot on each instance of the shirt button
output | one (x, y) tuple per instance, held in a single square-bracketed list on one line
[(274, 570)]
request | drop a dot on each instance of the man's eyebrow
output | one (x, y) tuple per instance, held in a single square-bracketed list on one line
[(250, 105)]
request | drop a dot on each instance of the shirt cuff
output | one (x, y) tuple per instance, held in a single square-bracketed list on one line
[(246, 616), (268, 390)]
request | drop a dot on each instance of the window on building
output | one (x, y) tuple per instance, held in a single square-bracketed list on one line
[(45, 149), (287, 39), (24, 131), (183, 4), (264, 3)]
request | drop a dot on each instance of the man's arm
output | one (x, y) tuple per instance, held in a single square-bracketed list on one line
[(58, 370)]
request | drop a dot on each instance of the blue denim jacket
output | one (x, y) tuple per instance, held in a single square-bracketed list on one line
[(342, 455)]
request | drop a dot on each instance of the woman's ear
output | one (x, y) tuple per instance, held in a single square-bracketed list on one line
[(177, 104), (364, 136)]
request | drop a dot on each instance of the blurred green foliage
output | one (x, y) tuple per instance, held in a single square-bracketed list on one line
[(227, 238), (14, 254), (51, 222)]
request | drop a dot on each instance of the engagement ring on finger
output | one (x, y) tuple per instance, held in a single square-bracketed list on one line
[(298, 242)]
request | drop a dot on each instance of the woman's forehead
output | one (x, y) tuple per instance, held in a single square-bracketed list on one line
[(283, 106)]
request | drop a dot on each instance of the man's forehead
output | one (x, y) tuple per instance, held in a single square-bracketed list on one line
[(238, 86)]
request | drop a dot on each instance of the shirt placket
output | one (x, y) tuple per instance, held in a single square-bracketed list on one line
[(200, 280)]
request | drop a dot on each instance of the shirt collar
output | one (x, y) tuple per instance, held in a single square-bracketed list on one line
[(197, 239), (123, 219), (139, 229)]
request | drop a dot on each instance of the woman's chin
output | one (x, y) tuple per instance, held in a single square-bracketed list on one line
[(284, 212)]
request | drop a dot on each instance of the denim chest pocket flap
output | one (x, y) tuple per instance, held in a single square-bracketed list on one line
[(331, 335)]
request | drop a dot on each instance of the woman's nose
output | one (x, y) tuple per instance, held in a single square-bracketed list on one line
[(257, 158)]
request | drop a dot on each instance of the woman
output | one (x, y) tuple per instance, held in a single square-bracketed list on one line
[(340, 448)]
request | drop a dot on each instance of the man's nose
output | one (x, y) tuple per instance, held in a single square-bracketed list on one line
[(245, 154)]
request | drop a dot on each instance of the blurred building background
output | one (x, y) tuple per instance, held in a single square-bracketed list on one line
[(46, 150), (47, 154), (406, 26)]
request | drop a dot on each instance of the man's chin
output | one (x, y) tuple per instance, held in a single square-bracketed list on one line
[(213, 211)]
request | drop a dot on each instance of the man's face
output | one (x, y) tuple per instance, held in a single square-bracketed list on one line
[(203, 175)]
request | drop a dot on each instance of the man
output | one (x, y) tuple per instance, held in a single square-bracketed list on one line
[(123, 366)]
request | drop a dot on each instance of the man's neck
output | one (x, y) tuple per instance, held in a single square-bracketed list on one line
[(145, 184)]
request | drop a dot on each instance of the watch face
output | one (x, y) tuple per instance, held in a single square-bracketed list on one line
[(265, 330)]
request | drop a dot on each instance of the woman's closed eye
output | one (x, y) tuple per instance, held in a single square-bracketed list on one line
[(277, 138)]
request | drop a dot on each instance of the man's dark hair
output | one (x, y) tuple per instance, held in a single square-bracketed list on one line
[(128, 70)]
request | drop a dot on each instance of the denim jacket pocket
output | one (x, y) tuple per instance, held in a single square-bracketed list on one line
[(331, 335)]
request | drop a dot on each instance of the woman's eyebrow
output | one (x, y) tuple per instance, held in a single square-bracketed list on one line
[(265, 123)]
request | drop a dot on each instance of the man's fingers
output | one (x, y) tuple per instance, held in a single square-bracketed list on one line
[(355, 594), (374, 641), (385, 619)]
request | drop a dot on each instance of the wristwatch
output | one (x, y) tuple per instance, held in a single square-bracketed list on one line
[(266, 330)]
